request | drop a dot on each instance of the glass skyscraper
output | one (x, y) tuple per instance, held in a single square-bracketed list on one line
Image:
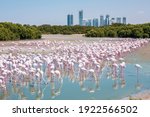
[(118, 20), (107, 20), (95, 22), (70, 20), (89, 23), (102, 23), (124, 20), (81, 17), (84, 22)]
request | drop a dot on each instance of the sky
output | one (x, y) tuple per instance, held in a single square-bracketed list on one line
[(54, 12)]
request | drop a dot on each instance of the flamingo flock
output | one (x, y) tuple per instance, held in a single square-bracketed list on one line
[(41, 63)]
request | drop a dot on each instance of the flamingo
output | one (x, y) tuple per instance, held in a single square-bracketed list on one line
[(49, 61), (138, 67), (115, 66), (122, 66)]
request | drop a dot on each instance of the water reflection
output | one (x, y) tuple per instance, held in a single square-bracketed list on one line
[(39, 86)]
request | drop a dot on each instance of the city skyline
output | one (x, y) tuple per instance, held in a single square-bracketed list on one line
[(96, 22), (54, 12)]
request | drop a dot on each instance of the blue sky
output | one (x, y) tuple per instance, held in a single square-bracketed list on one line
[(54, 12)]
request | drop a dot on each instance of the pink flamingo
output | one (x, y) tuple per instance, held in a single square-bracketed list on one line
[(122, 66)]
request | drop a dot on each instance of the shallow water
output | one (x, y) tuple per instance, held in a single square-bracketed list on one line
[(104, 88)]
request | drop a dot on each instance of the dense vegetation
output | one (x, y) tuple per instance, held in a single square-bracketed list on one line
[(10, 31), (119, 30), (115, 30)]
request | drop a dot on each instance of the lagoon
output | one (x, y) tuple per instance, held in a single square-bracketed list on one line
[(73, 88)]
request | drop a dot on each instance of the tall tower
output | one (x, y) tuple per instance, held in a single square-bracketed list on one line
[(95, 22), (124, 20), (107, 20), (102, 23), (89, 22), (118, 20), (81, 17), (70, 20)]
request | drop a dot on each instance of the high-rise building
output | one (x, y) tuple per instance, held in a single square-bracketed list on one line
[(102, 22), (81, 17), (70, 20), (84, 22), (112, 21), (89, 22), (118, 20), (107, 20), (95, 22), (124, 20)]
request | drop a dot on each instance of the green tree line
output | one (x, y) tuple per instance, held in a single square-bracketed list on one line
[(115, 30), (120, 30), (11, 31)]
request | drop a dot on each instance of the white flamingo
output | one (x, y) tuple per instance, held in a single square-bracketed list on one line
[(138, 67)]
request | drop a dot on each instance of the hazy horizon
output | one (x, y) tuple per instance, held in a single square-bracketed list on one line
[(54, 12)]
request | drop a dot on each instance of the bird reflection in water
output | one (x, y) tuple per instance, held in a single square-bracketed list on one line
[(56, 84), (90, 83), (30, 72)]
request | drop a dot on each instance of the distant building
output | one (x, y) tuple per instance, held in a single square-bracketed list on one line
[(95, 22), (118, 20), (102, 22), (70, 20), (81, 17), (107, 20), (84, 22), (89, 22), (112, 21), (124, 20)]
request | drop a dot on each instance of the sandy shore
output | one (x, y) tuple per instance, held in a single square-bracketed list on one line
[(143, 55), (74, 37), (144, 52), (59, 37), (144, 95)]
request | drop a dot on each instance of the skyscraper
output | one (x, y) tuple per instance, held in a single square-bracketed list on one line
[(112, 21), (124, 20), (102, 23), (70, 20), (107, 20), (84, 22), (118, 20), (89, 23), (81, 17), (95, 22)]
